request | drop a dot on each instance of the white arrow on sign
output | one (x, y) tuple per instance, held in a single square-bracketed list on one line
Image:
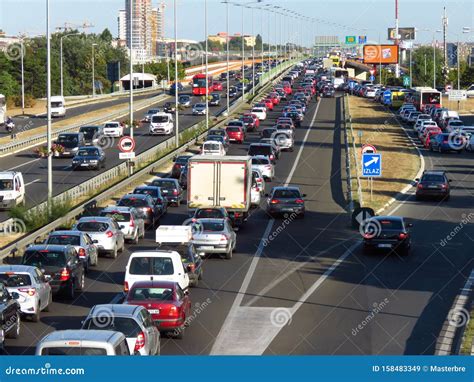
[(373, 160)]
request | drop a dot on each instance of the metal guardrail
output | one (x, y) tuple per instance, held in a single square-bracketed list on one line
[(40, 138), (112, 174)]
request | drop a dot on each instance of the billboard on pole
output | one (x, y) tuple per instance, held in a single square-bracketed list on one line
[(405, 33), (380, 54)]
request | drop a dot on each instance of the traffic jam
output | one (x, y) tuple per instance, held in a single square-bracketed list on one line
[(221, 185)]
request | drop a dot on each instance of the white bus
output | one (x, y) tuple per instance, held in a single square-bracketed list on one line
[(3, 109)]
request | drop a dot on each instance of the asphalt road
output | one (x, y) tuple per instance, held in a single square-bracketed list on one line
[(308, 288)]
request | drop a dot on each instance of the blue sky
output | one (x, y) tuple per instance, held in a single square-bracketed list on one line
[(370, 17)]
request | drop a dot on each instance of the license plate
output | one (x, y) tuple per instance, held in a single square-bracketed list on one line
[(287, 209), (206, 247), (84, 164), (432, 186), (384, 245), (154, 311), (66, 152)]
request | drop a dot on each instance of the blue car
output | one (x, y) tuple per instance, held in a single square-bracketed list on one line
[(448, 142), (89, 157), (173, 88)]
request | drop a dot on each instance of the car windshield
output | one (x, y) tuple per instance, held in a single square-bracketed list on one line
[(211, 147), (389, 224), (456, 123), (232, 129), (147, 191), (432, 178), (209, 213), (143, 294), (153, 111), (64, 240), (93, 226), (127, 326), (200, 106), (111, 125), (15, 280), (118, 216), (235, 123), (167, 184), (287, 193), (56, 104), (73, 351), (182, 160), (44, 258), (6, 185), (215, 138), (217, 132), (88, 152), (156, 266), (159, 119), (184, 99), (68, 140), (132, 202), (260, 161), (213, 226)]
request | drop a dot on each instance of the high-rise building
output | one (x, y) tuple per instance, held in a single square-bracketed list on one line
[(157, 28), (122, 25), (141, 39)]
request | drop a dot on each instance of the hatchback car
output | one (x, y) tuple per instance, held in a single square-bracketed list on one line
[(166, 302), (220, 132), (199, 109), (387, 233), (147, 209), (433, 184), (215, 236), (89, 157), (150, 113), (286, 200), (34, 291), (262, 149), (155, 193), (135, 322), (60, 265), (179, 163), (130, 222), (264, 164), (448, 142), (170, 189), (235, 134)]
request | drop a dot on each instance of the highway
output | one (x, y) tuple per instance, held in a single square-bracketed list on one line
[(309, 289)]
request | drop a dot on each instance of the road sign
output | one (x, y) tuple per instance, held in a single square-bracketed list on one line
[(372, 78), (372, 165), (372, 72), (361, 215), (362, 39), (127, 155), (368, 149), (406, 81), (457, 95), (387, 97), (350, 40), (126, 144)]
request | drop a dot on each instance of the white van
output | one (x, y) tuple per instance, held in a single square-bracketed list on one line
[(161, 123), (213, 148), (12, 189), (155, 265), (58, 106)]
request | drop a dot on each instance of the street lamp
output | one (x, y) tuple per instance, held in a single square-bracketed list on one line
[(93, 69), (61, 59), (207, 69), (227, 48), (176, 72), (48, 110)]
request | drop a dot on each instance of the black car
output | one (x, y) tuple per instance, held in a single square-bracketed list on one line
[(434, 184), (9, 314), (262, 149), (93, 135), (286, 200), (172, 89), (169, 107), (191, 260), (212, 213), (179, 162), (268, 132), (71, 142), (147, 209), (328, 92), (89, 157), (170, 189), (386, 233), (215, 99), (60, 264), (155, 193), (183, 177), (232, 91)]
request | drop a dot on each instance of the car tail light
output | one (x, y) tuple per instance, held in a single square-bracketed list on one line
[(125, 286), (109, 234), (140, 341), (192, 267), (177, 165), (368, 235), (175, 192), (224, 237), (132, 223), (29, 291), (237, 214), (65, 275), (420, 186), (272, 157), (444, 186), (402, 236), (82, 253), (173, 312), (147, 209), (274, 201), (299, 201), (257, 189)]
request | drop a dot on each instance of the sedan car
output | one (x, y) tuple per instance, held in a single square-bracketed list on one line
[(166, 302), (113, 129), (170, 189), (216, 236), (286, 200), (34, 291), (85, 247), (105, 230), (93, 135), (179, 163), (220, 132), (433, 184), (184, 101), (147, 209), (199, 109), (129, 220), (89, 157), (60, 265), (387, 233)]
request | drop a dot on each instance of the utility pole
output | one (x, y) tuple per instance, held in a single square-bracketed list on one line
[(397, 66), (445, 52), (207, 68), (48, 113), (131, 69), (176, 81)]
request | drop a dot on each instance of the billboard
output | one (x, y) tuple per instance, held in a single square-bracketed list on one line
[(362, 39), (380, 54), (350, 40), (405, 33)]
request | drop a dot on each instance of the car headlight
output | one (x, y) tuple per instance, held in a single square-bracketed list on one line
[(94, 161)]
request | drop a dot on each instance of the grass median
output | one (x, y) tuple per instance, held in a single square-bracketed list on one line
[(400, 160)]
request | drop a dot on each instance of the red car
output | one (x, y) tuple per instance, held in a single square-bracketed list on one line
[(275, 98), (255, 119), (431, 134), (217, 86), (168, 305), (236, 134), (268, 103), (248, 121)]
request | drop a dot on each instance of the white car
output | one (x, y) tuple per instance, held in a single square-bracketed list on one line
[(213, 148), (105, 231), (424, 126), (199, 109), (255, 195), (161, 123), (421, 118), (470, 91), (113, 129), (264, 164), (155, 265), (260, 112), (29, 282), (370, 93), (129, 220), (12, 189)]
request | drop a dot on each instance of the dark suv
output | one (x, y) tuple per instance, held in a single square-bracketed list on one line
[(434, 184), (170, 189), (60, 264)]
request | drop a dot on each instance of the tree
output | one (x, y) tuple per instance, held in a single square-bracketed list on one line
[(8, 85), (422, 77), (106, 36)]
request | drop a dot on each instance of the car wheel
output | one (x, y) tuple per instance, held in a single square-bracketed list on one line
[(15, 332), (114, 253), (228, 255), (50, 301)]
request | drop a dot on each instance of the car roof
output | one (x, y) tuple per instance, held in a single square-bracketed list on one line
[(155, 284), (285, 188), (135, 196), (211, 220), (81, 334), (67, 232), (116, 309), (49, 247), (385, 217), (100, 219), (17, 268)]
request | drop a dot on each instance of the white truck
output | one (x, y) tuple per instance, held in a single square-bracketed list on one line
[(12, 189), (221, 181)]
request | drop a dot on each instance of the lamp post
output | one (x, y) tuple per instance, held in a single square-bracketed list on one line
[(207, 68), (22, 76), (131, 70), (48, 112), (61, 59), (176, 82), (227, 54), (93, 69)]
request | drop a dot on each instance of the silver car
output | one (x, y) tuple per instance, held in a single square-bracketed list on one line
[(85, 247), (32, 287), (264, 164), (199, 109), (135, 322), (130, 221), (151, 113), (108, 234), (214, 236)]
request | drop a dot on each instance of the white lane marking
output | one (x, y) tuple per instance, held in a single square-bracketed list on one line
[(24, 164), (232, 328), (33, 181)]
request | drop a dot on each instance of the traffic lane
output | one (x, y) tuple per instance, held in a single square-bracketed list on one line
[(386, 304), (221, 282)]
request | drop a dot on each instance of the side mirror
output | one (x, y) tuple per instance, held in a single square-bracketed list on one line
[(15, 295)]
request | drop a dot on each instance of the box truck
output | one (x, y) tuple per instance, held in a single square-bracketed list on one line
[(221, 181)]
